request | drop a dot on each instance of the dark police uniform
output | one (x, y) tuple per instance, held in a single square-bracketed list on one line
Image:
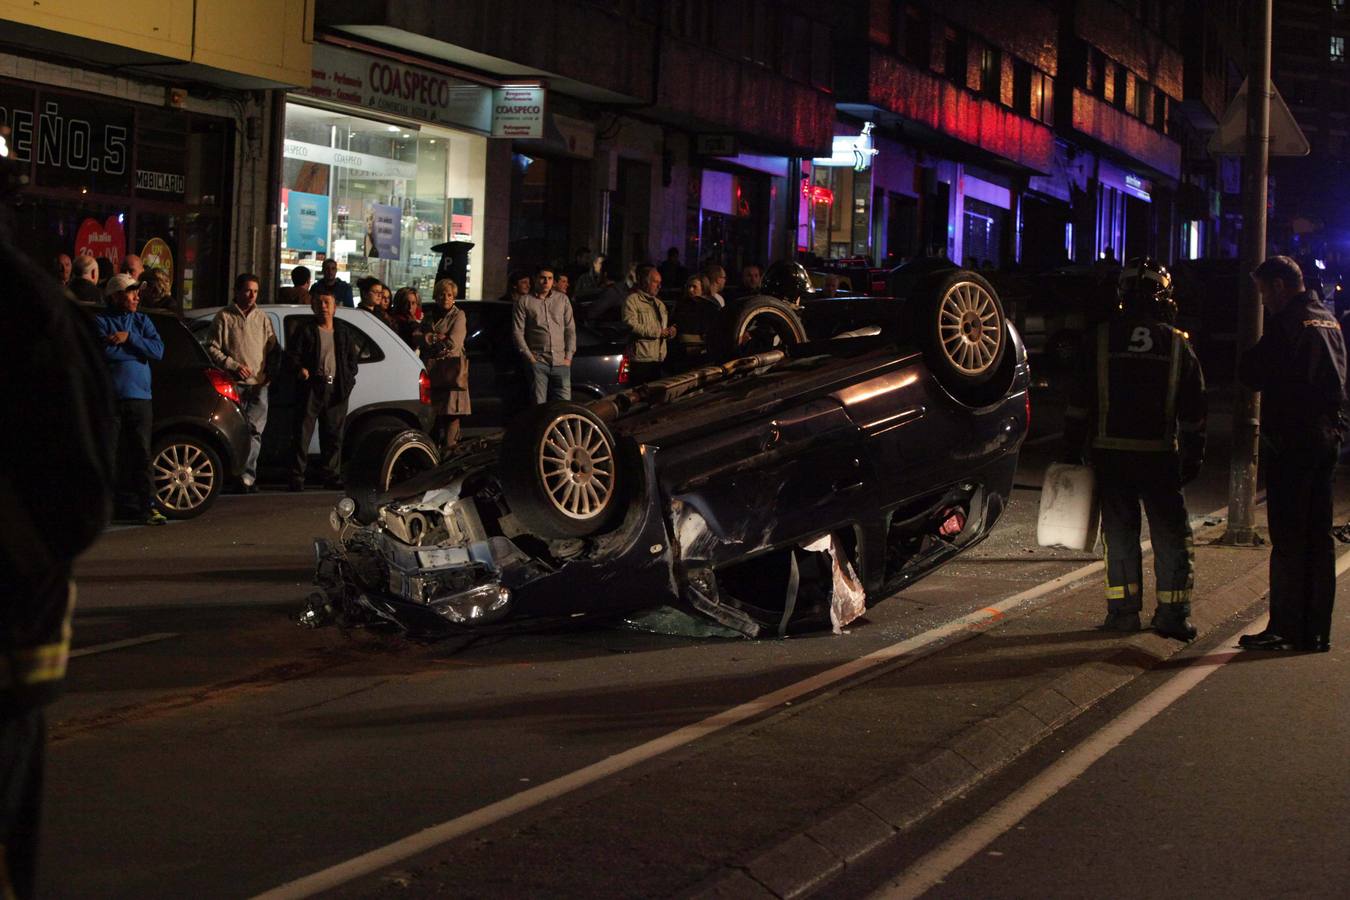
[(1299, 368), (1139, 408)]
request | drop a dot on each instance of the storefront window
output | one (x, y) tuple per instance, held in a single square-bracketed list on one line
[(376, 196), (839, 203), (110, 178)]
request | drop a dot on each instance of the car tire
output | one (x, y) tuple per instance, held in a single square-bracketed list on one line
[(560, 471), (382, 458), (369, 425), (760, 324), (962, 329), (186, 475)]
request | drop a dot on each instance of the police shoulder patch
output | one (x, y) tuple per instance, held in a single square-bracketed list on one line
[(1321, 323)]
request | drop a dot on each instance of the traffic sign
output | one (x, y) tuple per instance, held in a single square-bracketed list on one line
[(1286, 138)]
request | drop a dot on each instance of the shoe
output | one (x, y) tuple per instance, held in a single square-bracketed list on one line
[(1172, 623), (1259, 640), (1316, 644), (295, 486), (1268, 640), (155, 518), (1121, 621), (249, 488)]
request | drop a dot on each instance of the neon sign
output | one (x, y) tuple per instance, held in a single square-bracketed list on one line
[(817, 193)]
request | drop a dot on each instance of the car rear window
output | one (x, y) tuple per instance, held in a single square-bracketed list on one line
[(181, 349)]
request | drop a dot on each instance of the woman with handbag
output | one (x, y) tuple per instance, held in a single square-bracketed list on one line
[(447, 363)]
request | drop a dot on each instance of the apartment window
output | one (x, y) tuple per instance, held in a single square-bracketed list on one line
[(1160, 111), (991, 72), (1108, 92), (1143, 101), (917, 40), (1337, 48), (954, 56), (1042, 97), (1122, 86)]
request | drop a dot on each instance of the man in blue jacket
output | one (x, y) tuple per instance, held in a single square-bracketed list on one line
[(130, 342)]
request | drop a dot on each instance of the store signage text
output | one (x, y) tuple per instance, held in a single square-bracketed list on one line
[(68, 143), (358, 163), (518, 112), (392, 87), (167, 182)]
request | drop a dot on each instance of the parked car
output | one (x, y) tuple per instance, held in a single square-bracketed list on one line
[(772, 492), (199, 436), (392, 392), (497, 374)]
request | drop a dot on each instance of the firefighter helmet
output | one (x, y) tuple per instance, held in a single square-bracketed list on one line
[(1145, 286), (786, 280)]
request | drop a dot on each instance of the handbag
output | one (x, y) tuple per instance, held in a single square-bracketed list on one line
[(449, 372)]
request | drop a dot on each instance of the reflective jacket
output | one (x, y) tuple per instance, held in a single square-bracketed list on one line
[(54, 495), (1140, 390), (1299, 368)]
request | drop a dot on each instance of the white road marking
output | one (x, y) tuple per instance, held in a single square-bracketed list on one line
[(429, 838), (929, 871), (122, 645)]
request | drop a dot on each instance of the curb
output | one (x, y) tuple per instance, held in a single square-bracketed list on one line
[(806, 861)]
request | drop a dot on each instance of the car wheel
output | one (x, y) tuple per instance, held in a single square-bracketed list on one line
[(369, 425), (383, 458), (560, 471), (962, 329), (186, 474), (764, 323)]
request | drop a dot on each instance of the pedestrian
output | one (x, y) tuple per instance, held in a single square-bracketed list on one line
[(546, 338), (63, 268), (84, 282), (697, 320), (517, 286), (1138, 411), (322, 358), (563, 285), (341, 290), (131, 342), (133, 266), (1299, 368), (407, 316), (752, 283), (156, 289), (591, 280), (649, 323), (244, 344), (673, 271), (367, 288), (607, 301), (54, 502), (447, 363), (717, 282), (105, 271), (298, 292)]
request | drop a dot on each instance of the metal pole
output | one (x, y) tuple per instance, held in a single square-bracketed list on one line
[(1247, 405)]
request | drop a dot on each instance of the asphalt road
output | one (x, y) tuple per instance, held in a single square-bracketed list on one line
[(209, 746), (1235, 788)]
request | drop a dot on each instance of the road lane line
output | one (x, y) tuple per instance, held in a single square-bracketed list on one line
[(930, 871), (121, 645), (913, 648)]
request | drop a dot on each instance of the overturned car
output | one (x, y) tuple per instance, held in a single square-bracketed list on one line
[(776, 492)]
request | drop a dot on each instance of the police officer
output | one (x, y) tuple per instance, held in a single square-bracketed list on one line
[(50, 509), (1138, 409), (1299, 368)]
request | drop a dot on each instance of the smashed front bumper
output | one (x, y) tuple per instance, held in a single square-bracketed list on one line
[(422, 567)]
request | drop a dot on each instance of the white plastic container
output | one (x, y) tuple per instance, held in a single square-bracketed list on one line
[(1069, 512)]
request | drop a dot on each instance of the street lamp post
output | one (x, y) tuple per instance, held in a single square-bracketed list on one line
[(1255, 168)]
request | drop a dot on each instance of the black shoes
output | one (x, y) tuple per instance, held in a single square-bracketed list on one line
[(1121, 621), (1172, 623), (295, 486), (1269, 640)]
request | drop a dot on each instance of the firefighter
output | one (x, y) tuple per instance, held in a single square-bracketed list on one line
[(54, 500), (1137, 409)]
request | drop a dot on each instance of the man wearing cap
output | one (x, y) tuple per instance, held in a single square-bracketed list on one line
[(243, 343), (130, 342)]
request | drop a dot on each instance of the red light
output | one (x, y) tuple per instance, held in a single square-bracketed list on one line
[(623, 370), (953, 523), (223, 384), (424, 387), (1028, 411), (817, 193)]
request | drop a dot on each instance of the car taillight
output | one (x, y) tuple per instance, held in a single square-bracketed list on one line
[(623, 370), (424, 387), (223, 384)]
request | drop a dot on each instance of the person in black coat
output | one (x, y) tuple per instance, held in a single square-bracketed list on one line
[(323, 360), (1299, 367)]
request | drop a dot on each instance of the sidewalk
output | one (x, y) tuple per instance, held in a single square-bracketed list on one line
[(730, 816)]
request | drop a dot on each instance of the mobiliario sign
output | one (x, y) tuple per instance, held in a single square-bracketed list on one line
[(395, 88)]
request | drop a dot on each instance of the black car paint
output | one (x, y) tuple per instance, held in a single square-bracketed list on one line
[(868, 446)]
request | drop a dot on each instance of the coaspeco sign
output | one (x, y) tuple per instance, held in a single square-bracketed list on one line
[(409, 84)]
